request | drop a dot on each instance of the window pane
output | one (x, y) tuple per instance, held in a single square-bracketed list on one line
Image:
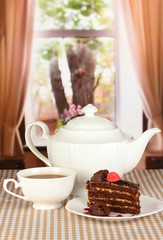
[(74, 14), (82, 62)]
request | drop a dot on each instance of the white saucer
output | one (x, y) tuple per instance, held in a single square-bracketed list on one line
[(149, 206)]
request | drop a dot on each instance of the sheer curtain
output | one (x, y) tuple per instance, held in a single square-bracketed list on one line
[(144, 24), (16, 30)]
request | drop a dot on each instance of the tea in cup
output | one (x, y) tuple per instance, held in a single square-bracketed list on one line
[(46, 187)]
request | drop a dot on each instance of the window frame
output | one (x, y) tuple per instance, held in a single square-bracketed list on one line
[(61, 33)]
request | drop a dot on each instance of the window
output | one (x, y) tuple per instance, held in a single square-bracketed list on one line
[(73, 60)]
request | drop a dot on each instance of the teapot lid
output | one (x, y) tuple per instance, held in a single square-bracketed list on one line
[(90, 128), (89, 122)]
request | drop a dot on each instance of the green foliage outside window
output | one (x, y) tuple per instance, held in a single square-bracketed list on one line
[(75, 14)]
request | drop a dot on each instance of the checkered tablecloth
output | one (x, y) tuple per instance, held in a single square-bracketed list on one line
[(18, 220)]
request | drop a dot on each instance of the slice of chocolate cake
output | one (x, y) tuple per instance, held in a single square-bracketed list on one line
[(118, 195)]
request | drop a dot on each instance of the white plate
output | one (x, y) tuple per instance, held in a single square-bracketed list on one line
[(149, 205)]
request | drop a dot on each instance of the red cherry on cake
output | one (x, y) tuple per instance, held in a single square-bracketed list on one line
[(112, 177)]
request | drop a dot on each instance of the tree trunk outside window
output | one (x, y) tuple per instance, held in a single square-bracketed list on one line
[(82, 67)]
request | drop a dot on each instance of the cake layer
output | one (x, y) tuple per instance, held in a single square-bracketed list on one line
[(119, 207), (108, 185), (112, 194), (112, 201)]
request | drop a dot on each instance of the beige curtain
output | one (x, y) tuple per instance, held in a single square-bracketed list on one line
[(16, 29), (144, 24)]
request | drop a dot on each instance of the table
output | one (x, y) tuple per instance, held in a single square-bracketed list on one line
[(18, 220)]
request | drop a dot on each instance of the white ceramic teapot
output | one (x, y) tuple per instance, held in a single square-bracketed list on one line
[(90, 143)]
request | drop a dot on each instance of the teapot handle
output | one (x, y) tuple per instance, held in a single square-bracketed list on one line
[(30, 143)]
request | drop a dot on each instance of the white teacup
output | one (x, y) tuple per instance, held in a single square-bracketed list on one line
[(45, 193)]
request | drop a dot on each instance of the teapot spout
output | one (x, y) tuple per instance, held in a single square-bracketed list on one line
[(146, 136), (136, 148)]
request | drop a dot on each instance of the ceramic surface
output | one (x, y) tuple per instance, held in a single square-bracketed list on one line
[(44, 193), (148, 205)]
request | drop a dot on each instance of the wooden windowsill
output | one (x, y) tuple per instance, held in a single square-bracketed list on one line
[(154, 162)]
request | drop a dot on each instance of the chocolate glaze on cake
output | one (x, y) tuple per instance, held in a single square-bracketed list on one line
[(100, 176), (120, 196)]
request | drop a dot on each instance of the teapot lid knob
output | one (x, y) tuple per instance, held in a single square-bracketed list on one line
[(89, 110)]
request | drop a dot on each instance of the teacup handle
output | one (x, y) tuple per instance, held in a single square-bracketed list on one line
[(6, 181), (44, 136)]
